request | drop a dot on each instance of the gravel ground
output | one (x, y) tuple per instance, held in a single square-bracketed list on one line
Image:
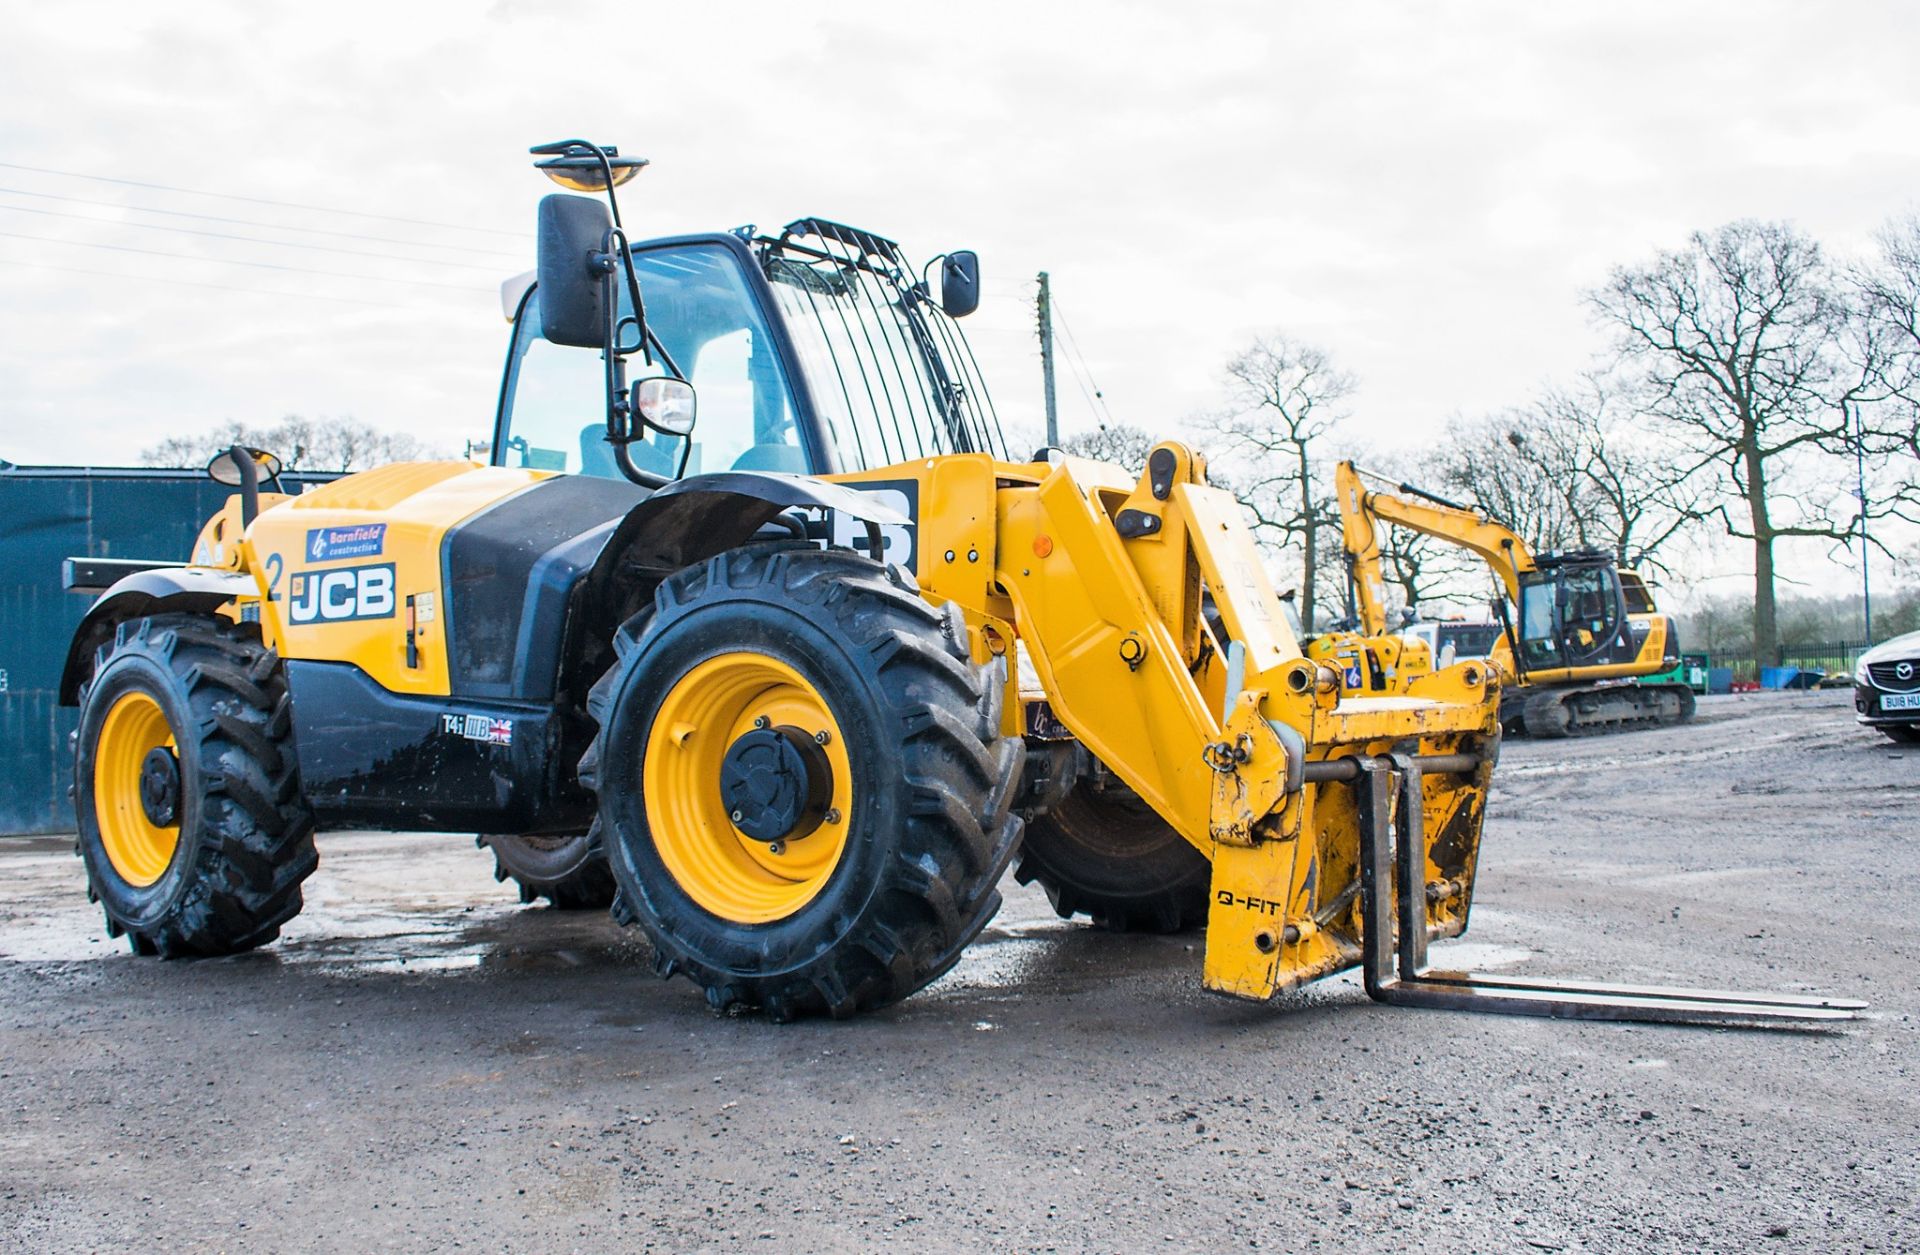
[(421, 1063)]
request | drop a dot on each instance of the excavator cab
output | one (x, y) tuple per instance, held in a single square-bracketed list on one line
[(1573, 613)]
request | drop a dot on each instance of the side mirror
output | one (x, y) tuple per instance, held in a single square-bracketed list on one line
[(664, 404), (960, 283), (573, 271)]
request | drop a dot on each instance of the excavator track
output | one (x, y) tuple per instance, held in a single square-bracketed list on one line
[(1595, 709)]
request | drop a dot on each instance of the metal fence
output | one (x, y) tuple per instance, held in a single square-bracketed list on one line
[(1827, 657)]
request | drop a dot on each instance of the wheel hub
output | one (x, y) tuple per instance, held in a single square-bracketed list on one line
[(160, 787), (777, 783)]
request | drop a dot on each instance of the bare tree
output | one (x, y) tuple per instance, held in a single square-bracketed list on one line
[(302, 444), (1887, 339), (1286, 396), (1737, 341), (1516, 466), (1572, 471), (1119, 443)]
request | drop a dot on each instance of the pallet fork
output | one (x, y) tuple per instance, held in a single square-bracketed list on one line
[(1393, 883)]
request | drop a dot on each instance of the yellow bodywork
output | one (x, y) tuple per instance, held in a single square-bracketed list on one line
[(414, 505)]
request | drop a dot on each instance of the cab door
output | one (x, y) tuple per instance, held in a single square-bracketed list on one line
[(1571, 616), (712, 321)]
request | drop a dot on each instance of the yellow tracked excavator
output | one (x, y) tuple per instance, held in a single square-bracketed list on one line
[(789, 687), (1579, 633)]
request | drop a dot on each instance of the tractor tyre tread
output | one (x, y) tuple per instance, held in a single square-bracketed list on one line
[(1121, 866), (952, 779), (253, 844), (570, 871)]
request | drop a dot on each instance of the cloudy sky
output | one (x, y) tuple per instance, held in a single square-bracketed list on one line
[(1425, 190)]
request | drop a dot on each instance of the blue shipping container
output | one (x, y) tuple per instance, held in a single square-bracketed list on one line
[(47, 514)]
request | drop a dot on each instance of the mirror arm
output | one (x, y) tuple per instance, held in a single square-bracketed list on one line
[(645, 478), (249, 484), (619, 421), (618, 239)]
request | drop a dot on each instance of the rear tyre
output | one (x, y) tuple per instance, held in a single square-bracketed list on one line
[(192, 827), (567, 869), (1106, 854), (803, 793)]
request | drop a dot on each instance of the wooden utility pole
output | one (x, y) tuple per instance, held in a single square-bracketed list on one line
[(1046, 359)]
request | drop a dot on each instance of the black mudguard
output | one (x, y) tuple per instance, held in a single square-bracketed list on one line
[(693, 519), (193, 590), (539, 582)]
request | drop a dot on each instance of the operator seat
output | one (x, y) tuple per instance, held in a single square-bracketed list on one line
[(773, 457)]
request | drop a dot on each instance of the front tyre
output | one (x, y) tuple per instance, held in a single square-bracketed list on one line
[(803, 792), (186, 792)]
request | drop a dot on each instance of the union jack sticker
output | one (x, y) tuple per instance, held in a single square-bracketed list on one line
[(483, 728)]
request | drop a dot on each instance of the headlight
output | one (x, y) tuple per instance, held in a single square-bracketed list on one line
[(1860, 671)]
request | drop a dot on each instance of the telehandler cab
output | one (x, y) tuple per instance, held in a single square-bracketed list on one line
[(792, 685)]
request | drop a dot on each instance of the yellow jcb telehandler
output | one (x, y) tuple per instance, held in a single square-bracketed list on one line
[(792, 685)]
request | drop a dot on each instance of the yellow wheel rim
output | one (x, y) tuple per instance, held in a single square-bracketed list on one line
[(727, 872), (139, 849)]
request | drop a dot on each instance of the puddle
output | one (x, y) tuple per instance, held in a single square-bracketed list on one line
[(386, 904), (379, 902)]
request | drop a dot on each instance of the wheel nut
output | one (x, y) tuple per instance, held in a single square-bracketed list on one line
[(822, 737), (736, 817), (761, 721), (777, 847), (832, 816)]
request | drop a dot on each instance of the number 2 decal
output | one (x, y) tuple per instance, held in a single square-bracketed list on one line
[(275, 565)]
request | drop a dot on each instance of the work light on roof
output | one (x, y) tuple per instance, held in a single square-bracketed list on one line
[(582, 167)]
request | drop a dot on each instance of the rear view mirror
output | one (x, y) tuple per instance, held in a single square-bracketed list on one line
[(960, 283), (574, 270), (665, 404)]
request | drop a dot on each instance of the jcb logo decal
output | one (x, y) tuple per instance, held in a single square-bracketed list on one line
[(358, 592), (898, 540)]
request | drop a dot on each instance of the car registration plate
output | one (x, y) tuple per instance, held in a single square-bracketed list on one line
[(1900, 701)]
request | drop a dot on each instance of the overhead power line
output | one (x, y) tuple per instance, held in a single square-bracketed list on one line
[(1099, 394), (261, 200), (257, 265), (251, 239), (469, 249), (225, 287)]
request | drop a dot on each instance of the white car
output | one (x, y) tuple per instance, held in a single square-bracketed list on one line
[(1886, 688)]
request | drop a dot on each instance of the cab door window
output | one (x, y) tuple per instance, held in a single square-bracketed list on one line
[(700, 309)]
